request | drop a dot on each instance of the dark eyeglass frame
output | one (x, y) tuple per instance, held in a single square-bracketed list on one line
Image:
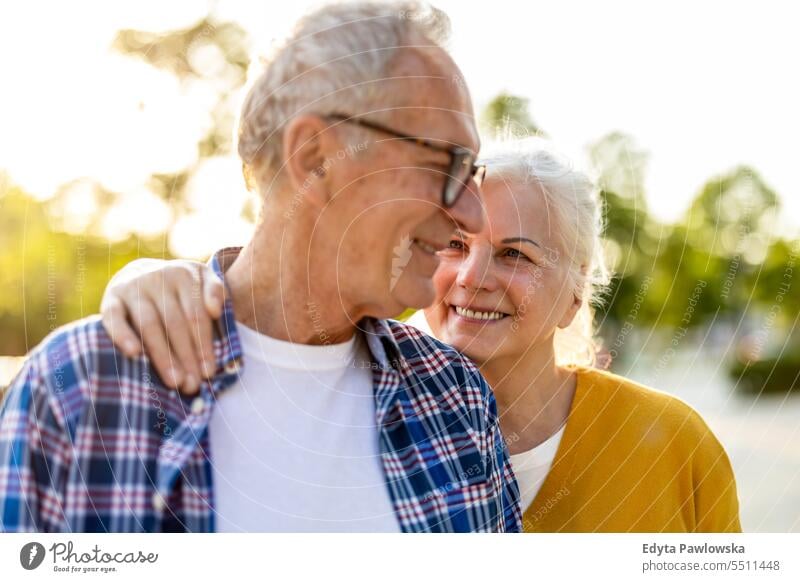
[(459, 158)]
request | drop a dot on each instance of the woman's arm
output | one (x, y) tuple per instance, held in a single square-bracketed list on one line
[(166, 308), (716, 500)]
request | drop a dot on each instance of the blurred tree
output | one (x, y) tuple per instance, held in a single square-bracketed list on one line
[(631, 235), (507, 115), (621, 166), (211, 53), (734, 214), (724, 239), (208, 49), (48, 277)]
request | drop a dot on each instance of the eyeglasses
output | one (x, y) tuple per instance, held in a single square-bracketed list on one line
[(462, 167)]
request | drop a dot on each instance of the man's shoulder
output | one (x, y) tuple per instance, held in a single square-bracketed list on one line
[(74, 364), (54, 377), (431, 359), (69, 352), (415, 343)]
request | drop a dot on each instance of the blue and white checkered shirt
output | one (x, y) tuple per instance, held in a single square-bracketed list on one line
[(91, 440)]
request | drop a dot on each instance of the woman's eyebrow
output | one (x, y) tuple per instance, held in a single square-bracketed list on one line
[(514, 239)]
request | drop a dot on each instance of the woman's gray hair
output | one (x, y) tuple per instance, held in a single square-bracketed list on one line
[(333, 61), (576, 222)]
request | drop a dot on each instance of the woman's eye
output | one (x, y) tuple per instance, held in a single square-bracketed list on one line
[(457, 244), (514, 254)]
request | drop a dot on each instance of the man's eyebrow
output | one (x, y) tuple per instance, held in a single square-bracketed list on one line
[(514, 239)]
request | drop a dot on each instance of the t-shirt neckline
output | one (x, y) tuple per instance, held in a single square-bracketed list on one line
[(296, 356)]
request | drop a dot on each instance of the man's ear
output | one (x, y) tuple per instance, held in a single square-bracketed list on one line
[(306, 139)]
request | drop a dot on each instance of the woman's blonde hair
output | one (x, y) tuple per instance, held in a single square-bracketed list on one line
[(576, 218)]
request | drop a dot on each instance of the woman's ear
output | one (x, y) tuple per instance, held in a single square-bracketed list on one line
[(575, 306), (571, 312), (306, 139)]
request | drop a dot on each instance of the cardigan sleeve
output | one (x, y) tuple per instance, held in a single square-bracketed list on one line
[(716, 501)]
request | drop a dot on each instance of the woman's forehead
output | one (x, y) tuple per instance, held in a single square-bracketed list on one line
[(515, 210)]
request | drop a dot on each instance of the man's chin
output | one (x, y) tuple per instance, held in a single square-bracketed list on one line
[(414, 292)]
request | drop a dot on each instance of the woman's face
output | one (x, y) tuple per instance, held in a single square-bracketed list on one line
[(505, 289)]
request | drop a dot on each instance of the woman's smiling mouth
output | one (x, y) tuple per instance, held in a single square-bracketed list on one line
[(477, 315)]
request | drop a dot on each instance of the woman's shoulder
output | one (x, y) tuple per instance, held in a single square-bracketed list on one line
[(622, 401)]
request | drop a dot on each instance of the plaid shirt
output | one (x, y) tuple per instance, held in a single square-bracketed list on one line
[(92, 441)]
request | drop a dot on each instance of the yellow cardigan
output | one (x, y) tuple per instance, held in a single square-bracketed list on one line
[(634, 459)]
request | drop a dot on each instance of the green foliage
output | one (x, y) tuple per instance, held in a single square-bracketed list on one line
[(771, 375), (509, 114), (621, 165), (181, 51), (50, 278)]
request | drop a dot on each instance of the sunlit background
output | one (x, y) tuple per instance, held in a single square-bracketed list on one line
[(116, 125)]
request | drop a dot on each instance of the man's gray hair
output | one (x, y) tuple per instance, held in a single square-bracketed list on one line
[(333, 61)]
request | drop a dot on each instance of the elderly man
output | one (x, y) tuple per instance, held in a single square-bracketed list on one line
[(320, 414)]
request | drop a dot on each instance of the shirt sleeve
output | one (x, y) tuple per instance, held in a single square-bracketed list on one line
[(34, 451)]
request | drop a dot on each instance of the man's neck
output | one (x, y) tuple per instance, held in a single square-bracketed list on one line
[(283, 284)]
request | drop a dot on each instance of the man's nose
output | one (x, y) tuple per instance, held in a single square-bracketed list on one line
[(468, 212)]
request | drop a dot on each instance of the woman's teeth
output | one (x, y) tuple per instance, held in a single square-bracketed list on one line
[(425, 247), (479, 314)]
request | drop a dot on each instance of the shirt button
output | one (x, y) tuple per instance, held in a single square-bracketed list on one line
[(232, 367), (159, 504), (198, 405)]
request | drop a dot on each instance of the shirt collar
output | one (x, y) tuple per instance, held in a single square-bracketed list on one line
[(228, 345), (382, 343), (379, 335)]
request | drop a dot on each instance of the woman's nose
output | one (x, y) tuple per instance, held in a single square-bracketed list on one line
[(475, 271)]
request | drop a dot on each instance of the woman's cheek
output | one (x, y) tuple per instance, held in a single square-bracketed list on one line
[(444, 279), (524, 288), (529, 297)]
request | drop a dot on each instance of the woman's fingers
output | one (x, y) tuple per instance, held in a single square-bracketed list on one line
[(180, 335), (115, 320), (166, 309), (121, 296), (146, 318), (194, 306), (213, 292)]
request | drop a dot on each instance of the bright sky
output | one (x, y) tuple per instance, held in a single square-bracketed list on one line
[(703, 86)]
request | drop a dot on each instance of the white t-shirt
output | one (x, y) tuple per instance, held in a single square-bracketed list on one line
[(532, 466), (418, 320), (294, 443)]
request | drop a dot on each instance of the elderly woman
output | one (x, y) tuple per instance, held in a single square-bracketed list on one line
[(592, 451)]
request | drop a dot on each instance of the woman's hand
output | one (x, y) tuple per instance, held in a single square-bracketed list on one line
[(166, 308)]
